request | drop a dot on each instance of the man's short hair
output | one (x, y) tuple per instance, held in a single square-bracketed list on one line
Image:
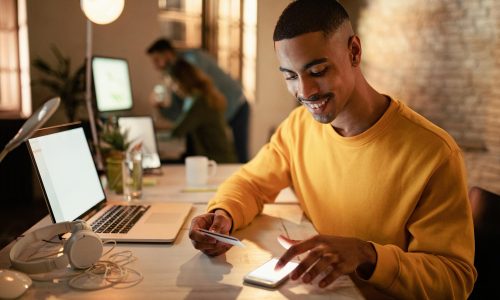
[(160, 45), (304, 16)]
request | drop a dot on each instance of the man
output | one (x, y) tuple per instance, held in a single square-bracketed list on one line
[(162, 55), (383, 186)]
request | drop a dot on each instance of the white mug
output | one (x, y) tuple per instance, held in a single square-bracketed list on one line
[(199, 169)]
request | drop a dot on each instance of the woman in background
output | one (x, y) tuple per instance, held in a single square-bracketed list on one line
[(202, 119)]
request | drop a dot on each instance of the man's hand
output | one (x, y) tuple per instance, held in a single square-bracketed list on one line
[(219, 221), (331, 255)]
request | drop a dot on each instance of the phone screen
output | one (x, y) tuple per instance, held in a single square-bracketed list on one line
[(266, 275)]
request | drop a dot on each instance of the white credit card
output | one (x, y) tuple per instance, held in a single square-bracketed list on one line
[(223, 238)]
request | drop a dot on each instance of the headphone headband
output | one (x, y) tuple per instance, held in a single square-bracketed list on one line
[(80, 231)]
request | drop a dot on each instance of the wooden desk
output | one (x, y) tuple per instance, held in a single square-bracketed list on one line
[(171, 186), (178, 271)]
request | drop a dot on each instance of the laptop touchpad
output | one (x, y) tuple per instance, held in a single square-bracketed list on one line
[(162, 218)]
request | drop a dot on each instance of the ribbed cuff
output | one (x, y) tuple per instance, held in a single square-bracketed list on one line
[(387, 267), (231, 209)]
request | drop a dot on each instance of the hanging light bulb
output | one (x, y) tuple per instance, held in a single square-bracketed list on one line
[(102, 11)]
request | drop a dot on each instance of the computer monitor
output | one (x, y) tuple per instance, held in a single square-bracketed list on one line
[(112, 87)]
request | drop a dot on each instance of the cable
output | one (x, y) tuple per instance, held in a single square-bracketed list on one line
[(109, 271)]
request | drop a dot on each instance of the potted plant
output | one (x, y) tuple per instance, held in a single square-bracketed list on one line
[(70, 87), (114, 144)]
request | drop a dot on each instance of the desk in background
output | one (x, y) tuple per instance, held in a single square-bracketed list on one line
[(170, 185), (178, 271)]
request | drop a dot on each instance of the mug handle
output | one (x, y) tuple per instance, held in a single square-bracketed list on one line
[(212, 165)]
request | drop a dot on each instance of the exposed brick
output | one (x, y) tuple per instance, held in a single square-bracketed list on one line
[(443, 59)]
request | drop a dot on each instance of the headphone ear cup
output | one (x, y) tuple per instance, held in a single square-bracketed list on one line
[(80, 225), (83, 249)]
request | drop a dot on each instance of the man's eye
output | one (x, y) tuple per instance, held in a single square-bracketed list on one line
[(290, 76), (317, 73)]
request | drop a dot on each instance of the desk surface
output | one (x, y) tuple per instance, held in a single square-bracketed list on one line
[(178, 271), (170, 185)]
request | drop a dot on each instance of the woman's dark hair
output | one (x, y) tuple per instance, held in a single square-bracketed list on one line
[(196, 83)]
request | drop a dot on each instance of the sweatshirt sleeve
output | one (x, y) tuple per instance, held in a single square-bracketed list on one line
[(257, 182), (439, 261)]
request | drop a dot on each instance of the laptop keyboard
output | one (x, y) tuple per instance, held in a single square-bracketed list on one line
[(119, 218)]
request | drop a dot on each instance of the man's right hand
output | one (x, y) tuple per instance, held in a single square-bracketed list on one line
[(220, 222)]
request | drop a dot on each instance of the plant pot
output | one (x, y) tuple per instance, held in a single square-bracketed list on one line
[(114, 172)]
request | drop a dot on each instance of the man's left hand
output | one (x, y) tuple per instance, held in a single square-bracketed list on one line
[(334, 256)]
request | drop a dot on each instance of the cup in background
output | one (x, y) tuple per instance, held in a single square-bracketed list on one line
[(132, 175), (198, 170)]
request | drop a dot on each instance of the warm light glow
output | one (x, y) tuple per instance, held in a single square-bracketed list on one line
[(15, 92), (194, 7), (249, 49), (24, 59), (102, 11)]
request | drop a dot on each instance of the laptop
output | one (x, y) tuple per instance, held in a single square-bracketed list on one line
[(141, 130), (72, 191)]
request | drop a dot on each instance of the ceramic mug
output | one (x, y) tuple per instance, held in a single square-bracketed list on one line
[(198, 170)]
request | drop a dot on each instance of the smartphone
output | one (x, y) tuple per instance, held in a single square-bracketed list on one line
[(266, 276)]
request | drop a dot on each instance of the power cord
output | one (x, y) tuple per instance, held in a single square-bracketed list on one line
[(110, 271)]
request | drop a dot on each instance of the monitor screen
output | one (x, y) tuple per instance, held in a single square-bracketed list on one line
[(113, 91)]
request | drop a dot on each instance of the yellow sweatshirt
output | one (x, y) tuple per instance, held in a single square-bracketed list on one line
[(401, 185)]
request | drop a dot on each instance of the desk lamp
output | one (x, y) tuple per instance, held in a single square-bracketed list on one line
[(37, 119), (100, 12)]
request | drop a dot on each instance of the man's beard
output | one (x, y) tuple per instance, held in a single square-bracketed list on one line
[(326, 118)]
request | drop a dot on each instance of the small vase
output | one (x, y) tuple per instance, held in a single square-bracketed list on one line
[(114, 172)]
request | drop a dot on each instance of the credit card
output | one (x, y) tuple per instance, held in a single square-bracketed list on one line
[(223, 238)]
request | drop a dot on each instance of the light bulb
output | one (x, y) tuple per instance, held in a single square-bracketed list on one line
[(102, 11)]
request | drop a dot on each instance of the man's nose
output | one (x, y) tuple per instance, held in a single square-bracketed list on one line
[(307, 88)]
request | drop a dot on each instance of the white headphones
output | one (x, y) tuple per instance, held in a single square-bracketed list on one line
[(81, 250)]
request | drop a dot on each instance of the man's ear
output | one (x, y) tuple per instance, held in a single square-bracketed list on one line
[(355, 50)]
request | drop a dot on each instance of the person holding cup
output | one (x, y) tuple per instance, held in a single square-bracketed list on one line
[(202, 118)]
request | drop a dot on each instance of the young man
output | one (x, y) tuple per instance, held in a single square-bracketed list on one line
[(162, 55), (383, 186)]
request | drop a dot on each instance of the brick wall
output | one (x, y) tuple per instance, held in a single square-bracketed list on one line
[(442, 58)]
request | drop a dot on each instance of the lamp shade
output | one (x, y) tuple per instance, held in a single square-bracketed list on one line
[(37, 119), (102, 11)]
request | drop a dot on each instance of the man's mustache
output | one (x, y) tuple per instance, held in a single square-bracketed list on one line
[(316, 97)]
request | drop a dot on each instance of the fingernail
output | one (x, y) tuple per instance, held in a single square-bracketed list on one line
[(322, 284), (278, 265), (306, 278)]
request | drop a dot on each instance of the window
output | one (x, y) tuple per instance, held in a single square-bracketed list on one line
[(225, 28), (249, 55), (181, 21), (15, 92)]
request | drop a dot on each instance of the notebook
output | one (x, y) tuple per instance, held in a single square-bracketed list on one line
[(72, 190), (141, 130)]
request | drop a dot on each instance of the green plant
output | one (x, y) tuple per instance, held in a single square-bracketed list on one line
[(68, 86), (112, 138)]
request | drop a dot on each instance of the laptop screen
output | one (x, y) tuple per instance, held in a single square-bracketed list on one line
[(141, 130), (67, 173)]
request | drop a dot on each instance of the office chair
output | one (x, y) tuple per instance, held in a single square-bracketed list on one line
[(486, 215)]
